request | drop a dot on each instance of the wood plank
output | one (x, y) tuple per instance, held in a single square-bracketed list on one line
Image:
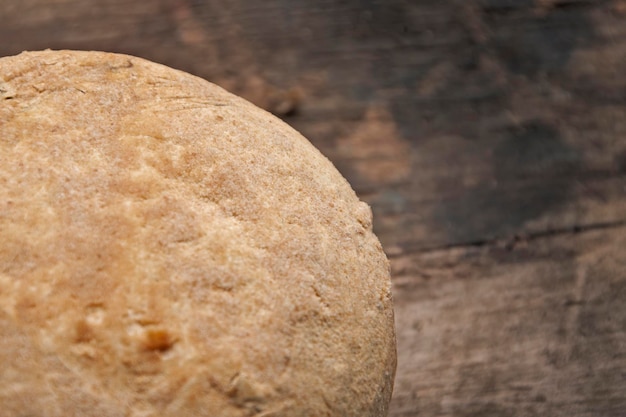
[(533, 330)]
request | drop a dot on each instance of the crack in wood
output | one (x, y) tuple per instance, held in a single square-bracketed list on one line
[(509, 243)]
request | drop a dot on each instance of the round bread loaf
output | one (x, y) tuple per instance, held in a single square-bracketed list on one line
[(169, 249)]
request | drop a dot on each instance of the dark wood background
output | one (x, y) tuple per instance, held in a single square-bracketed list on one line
[(489, 136)]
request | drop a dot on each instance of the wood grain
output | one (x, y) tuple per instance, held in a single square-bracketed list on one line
[(489, 138), (534, 330)]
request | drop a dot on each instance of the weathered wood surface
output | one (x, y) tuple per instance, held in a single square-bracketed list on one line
[(488, 135)]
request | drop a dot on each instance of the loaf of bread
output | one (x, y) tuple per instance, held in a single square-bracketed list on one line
[(169, 249)]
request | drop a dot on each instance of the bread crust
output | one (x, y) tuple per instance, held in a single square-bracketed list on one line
[(169, 249)]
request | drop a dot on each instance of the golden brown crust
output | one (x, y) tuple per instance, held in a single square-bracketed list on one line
[(168, 249)]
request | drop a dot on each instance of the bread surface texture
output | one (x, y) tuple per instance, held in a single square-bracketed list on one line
[(169, 249)]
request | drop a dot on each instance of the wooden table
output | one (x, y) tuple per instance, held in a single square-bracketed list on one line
[(489, 136)]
